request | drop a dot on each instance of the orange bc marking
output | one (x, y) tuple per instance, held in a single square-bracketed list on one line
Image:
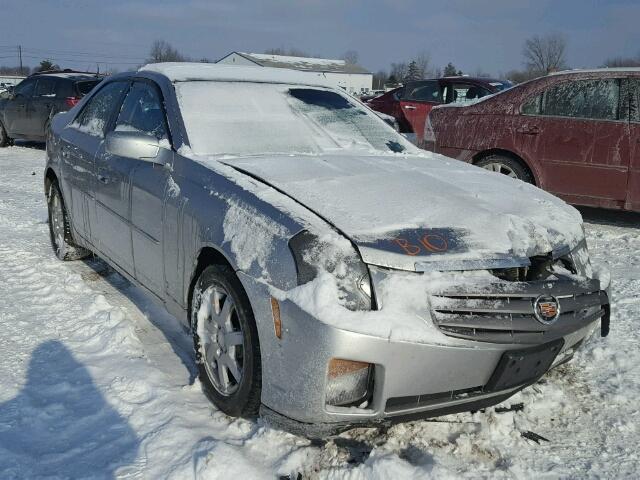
[(408, 248), (434, 242), (427, 243)]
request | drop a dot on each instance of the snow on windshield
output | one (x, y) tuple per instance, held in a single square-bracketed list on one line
[(241, 118)]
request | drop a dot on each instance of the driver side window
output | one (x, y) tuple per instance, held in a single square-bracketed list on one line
[(142, 111), (96, 114)]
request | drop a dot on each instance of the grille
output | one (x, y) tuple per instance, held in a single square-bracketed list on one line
[(504, 312)]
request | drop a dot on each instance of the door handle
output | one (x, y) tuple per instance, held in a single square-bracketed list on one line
[(409, 107), (526, 130)]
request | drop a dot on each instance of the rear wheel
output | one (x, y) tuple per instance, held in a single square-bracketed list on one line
[(5, 141), (226, 342), (506, 166), (60, 228)]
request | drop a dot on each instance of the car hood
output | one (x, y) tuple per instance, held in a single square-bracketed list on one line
[(412, 211)]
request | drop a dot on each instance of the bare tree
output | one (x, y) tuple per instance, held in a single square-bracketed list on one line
[(350, 57), (423, 65), (399, 71), (519, 76), (618, 62), (545, 54), (162, 51), (4, 70), (379, 79)]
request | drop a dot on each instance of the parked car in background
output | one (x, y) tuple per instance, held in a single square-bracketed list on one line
[(575, 134), (331, 273), (25, 112), (411, 103), (372, 94)]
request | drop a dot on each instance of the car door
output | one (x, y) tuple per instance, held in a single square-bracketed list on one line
[(577, 132), (143, 111), (40, 107), (80, 142), (633, 193), (15, 111), (417, 101)]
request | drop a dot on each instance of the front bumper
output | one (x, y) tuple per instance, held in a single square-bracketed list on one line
[(411, 380)]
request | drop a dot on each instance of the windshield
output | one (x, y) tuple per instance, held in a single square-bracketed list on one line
[(239, 118)]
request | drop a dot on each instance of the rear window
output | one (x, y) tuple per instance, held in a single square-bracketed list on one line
[(85, 87)]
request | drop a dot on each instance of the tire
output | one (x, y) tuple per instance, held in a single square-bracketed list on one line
[(5, 141), (506, 166), (226, 342), (60, 228)]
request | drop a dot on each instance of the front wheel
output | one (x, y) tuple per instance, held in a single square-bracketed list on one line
[(506, 166), (60, 228), (226, 342)]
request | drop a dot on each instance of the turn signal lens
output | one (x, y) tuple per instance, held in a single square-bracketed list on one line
[(348, 382), (277, 322)]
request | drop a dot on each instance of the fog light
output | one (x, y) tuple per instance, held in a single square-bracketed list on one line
[(348, 382)]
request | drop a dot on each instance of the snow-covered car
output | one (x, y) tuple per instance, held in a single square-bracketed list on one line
[(331, 273)]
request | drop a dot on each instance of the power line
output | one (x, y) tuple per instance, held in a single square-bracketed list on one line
[(74, 53), (83, 60)]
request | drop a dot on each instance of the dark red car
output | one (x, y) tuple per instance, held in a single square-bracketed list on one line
[(411, 103), (575, 134)]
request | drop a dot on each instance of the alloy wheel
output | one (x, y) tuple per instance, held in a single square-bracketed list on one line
[(57, 221), (500, 168), (221, 339)]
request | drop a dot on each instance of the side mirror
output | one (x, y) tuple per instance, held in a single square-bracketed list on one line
[(134, 145)]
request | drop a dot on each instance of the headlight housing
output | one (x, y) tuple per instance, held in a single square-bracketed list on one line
[(313, 254), (579, 257)]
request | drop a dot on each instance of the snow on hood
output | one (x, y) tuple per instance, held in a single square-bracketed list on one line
[(402, 210)]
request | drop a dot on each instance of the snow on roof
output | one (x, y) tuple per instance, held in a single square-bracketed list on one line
[(180, 72), (599, 70), (303, 63)]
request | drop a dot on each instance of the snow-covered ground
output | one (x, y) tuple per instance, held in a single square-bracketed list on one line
[(98, 382)]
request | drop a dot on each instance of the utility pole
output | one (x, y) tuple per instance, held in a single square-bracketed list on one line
[(20, 56)]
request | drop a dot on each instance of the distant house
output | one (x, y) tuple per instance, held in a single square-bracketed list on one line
[(352, 78)]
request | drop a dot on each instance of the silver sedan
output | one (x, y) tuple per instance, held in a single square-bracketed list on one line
[(331, 273)]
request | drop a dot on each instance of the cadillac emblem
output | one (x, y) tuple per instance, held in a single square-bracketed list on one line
[(546, 309)]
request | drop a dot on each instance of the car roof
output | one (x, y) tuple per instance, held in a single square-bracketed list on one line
[(69, 74), (484, 80), (187, 71), (597, 70)]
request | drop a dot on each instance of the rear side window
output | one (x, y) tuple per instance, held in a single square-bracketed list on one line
[(99, 110), (142, 112), (593, 99), (423, 92), (46, 87), (85, 87), (465, 92), (635, 100), (25, 88), (533, 106)]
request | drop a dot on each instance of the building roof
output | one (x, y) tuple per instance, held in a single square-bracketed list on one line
[(302, 63), (185, 71)]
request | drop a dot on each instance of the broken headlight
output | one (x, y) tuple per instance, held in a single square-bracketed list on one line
[(338, 257)]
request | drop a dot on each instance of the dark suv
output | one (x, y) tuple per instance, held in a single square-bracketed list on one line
[(25, 112)]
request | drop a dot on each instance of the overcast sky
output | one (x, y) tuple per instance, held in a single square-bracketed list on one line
[(480, 34)]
